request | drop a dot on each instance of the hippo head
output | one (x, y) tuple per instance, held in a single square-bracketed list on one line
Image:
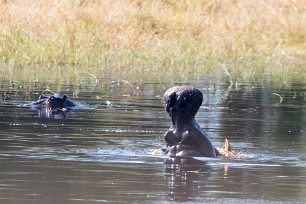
[(52, 105), (183, 98), (185, 137), (57, 102)]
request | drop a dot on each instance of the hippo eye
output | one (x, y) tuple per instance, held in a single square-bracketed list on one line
[(50, 99)]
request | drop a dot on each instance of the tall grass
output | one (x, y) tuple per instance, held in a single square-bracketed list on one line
[(245, 39)]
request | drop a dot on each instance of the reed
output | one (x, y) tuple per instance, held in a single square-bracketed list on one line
[(249, 39)]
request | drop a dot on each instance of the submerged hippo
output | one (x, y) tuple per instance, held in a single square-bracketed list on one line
[(56, 102), (185, 137)]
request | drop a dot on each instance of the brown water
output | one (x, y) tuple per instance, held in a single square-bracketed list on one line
[(109, 153)]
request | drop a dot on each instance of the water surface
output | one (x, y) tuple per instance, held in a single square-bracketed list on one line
[(107, 150)]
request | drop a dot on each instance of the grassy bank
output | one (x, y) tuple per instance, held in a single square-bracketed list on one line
[(244, 40)]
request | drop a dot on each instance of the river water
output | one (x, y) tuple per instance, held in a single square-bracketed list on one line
[(107, 149)]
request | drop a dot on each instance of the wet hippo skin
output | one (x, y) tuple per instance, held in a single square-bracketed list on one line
[(53, 102), (185, 137)]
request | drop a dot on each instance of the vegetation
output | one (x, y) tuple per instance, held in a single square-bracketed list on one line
[(244, 40)]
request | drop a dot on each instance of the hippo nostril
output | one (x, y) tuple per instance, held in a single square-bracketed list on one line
[(172, 100)]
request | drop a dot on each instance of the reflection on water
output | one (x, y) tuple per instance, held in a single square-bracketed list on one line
[(107, 150)]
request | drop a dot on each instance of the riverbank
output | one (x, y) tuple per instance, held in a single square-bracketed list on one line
[(244, 40)]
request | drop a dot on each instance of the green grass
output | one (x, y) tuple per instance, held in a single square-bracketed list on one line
[(153, 40)]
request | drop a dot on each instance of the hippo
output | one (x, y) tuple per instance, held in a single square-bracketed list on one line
[(55, 101), (185, 137), (52, 106)]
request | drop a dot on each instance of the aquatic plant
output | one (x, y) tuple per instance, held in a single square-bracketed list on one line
[(244, 40)]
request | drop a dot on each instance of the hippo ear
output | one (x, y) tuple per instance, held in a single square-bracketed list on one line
[(65, 98)]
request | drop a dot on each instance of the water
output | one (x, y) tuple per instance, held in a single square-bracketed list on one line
[(107, 150)]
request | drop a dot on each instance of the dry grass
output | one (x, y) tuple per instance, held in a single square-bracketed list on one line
[(249, 39)]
